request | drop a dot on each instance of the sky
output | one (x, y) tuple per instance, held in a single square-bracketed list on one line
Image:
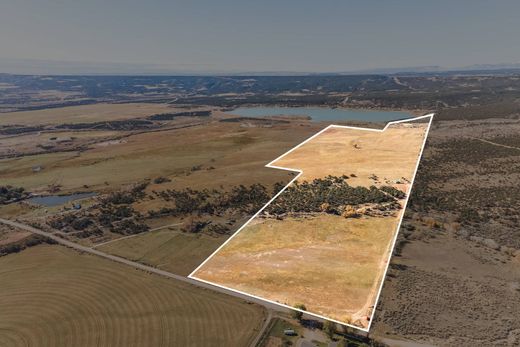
[(266, 35)]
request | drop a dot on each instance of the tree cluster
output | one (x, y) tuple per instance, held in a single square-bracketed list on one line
[(127, 196), (114, 213), (27, 242), (331, 194), (241, 199), (10, 193)]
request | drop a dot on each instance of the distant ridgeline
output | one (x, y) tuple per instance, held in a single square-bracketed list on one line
[(497, 92)]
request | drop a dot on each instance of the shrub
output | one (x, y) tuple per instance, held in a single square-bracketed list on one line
[(298, 314), (161, 179)]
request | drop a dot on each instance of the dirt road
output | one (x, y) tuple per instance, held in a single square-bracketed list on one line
[(494, 143), (262, 331)]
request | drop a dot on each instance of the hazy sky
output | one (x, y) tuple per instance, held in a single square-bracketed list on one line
[(263, 35)]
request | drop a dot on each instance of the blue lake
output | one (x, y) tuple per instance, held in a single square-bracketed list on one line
[(321, 113), (56, 200)]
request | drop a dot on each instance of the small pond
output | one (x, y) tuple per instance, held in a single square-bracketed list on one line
[(56, 200)]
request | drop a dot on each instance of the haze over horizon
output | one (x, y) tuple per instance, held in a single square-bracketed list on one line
[(54, 36)]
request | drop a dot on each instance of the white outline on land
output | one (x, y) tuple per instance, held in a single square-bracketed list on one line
[(382, 279)]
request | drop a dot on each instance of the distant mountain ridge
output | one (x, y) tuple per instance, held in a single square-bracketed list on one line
[(54, 67), (436, 68)]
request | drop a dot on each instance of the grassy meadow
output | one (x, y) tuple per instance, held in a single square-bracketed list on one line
[(231, 153)]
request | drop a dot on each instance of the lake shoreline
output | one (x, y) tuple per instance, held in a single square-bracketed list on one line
[(414, 112), (321, 113)]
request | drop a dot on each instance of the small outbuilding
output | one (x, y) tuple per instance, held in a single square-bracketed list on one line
[(37, 168), (289, 332)]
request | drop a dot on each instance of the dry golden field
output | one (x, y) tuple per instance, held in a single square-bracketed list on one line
[(31, 144), (237, 155), (390, 155), (53, 296), (83, 114), (326, 262), (331, 264)]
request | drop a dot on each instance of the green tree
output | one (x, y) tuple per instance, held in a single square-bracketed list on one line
[(298, 314), (329, 328)]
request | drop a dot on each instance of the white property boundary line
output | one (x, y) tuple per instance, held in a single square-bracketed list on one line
[(270, 165)]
